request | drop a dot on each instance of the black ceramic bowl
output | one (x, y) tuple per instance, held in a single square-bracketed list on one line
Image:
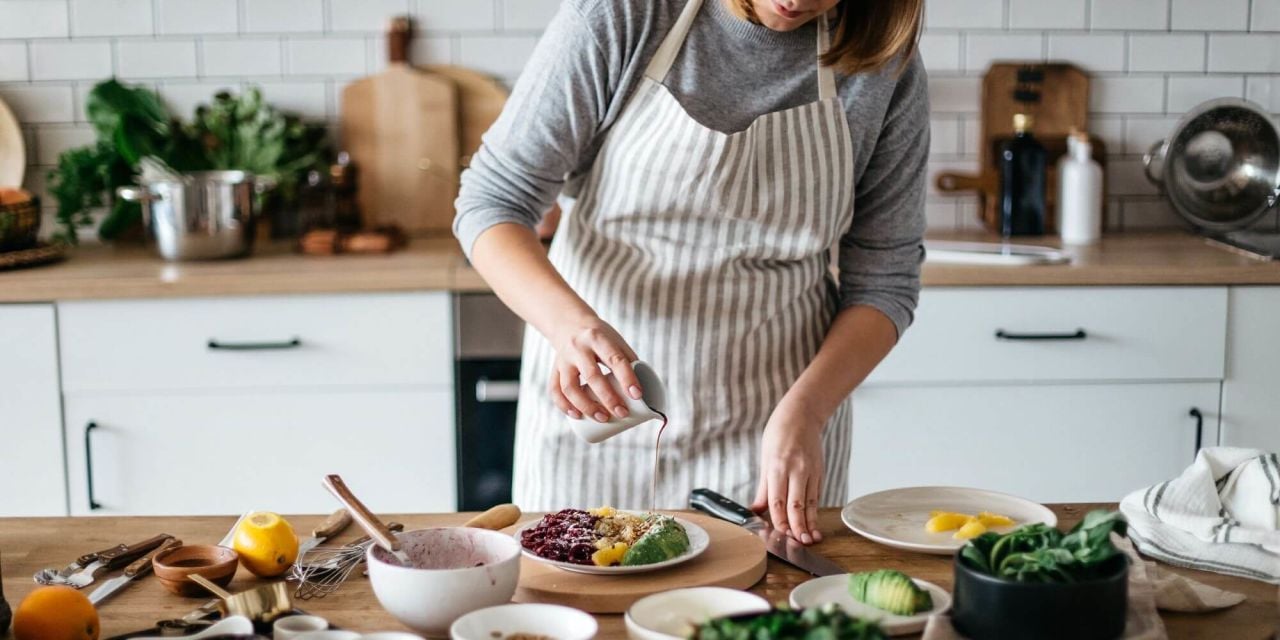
[(989, 608)]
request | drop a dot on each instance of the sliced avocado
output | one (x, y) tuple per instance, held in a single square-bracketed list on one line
[(889, 590), (664, 540)]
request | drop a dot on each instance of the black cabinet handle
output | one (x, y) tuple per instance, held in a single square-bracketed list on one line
[(292, 343), (1195, 413), (1079, 334), (88, 463)]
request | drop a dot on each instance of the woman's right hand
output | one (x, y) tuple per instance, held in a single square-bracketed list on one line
[(580, 348)]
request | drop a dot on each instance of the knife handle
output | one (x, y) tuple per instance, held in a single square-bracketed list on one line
[(714, 504), (88, 558), (142, 565), (124, 555), (333, 525)]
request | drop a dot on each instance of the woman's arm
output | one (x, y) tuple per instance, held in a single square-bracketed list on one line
[(880, 258)]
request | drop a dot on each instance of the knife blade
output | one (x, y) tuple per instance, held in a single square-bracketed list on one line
[(114, 558), (137, 569), (55, 576), (331, 527), (778, 544)]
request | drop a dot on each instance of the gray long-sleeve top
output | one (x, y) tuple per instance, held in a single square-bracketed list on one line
[(729, 72)]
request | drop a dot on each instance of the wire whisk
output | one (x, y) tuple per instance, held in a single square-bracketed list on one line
[(320, 571)]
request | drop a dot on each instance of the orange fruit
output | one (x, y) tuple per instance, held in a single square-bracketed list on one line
[(266, 544), (55, 613)]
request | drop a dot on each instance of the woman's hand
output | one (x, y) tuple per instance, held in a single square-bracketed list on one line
[(792, 471), (579, 348)]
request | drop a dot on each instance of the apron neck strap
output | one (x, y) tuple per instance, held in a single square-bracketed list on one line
[(662, 60)]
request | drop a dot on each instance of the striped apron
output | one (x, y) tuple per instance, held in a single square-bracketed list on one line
[(709, 253)]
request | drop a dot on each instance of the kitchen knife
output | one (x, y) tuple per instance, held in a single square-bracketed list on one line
[(137, 569), (778, 544), (54, 576), (332, 526), (112, 559)]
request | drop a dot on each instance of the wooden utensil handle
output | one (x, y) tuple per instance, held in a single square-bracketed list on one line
[(88, 558), (496, 518), (948, 181), (333, 525), (207, 584), (125, 555), (142, 565), (398, 37), (393, 527), (365, 518)]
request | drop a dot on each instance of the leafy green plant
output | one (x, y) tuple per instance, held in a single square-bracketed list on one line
[(1038, 553), (241, 132), (819, 623)]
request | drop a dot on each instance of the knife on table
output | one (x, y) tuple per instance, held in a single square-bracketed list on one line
[(332, 526), (778, 544), (115, 558), (139, 568)]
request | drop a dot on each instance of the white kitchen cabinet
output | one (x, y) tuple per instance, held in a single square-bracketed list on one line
[(170, 454), (32, 482), (1050, 443), (1251, 391)]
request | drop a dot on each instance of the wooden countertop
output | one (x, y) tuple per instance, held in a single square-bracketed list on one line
[(30, 544), (1166, 258)]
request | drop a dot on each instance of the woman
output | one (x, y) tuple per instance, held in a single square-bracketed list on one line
[(709, 155)]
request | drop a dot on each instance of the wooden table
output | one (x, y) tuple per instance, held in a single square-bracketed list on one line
[(30, 544)]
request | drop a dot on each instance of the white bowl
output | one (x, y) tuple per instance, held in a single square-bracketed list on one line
[(390, 635), (670, 615), (455, 571), (549, 620)]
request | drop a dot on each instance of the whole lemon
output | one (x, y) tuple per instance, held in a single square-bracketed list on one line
[(55, 613), (266, 544)]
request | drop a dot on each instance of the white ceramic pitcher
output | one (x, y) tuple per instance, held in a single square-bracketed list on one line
[(641, 411)]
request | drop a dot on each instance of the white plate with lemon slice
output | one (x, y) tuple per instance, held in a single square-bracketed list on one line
[(897, 517)]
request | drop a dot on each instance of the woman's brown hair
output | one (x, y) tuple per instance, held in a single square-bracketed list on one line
[(868, 34)]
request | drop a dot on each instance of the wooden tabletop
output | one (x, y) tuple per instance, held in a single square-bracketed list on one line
[(30, 544), (436, 263)]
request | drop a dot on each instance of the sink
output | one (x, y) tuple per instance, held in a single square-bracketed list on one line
[(992, 253)]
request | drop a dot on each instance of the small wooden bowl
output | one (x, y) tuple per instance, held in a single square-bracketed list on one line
[(217, 564)]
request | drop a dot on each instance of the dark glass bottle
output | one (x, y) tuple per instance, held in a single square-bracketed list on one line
[(1022, 176)]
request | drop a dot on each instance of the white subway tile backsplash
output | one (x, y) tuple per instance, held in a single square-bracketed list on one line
[(1166, 52), (1126, 177), (365, 15), (964, 14), (1265, 16), (1150, 213), (430, 50), (197, 16), (1187, 92), (443, 15), (51, 141), (33, 19), (499, 55), (1038, 14), (111, 18), (156, 58), (13, 61), (248, 57), (1109, 129), (528, 14), (323, 56), (182, 98), (1140, 132), (1251, 53), (63, 60), (289, 16), (308, 99), (981, 50), (940, 215), (1213, 15), (1129, 14), (1091, 52), (1264, 91), (1127, 95), (36, 104), (970, 136), (944, 136), (940, 51), (951, 95)]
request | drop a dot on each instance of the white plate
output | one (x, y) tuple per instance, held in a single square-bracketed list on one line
[(547, 620), (835, 590), (896, 517), (698, 542)]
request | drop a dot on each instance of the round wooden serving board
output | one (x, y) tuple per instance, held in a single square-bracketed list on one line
[(735, 558)]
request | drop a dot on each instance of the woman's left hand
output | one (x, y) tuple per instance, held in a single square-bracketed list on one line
[(791, 472)]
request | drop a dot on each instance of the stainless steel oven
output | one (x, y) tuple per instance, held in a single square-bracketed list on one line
[(488, 340)]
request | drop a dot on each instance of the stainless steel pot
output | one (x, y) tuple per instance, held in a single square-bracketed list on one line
[(201, 215), (1220, 167)]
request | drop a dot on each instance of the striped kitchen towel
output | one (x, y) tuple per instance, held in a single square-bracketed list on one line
[(1222, 514)]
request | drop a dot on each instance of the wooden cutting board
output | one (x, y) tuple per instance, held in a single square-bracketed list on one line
[(480, 102), (401, 129), (13, 155), (735, 558), (1063, 106)]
